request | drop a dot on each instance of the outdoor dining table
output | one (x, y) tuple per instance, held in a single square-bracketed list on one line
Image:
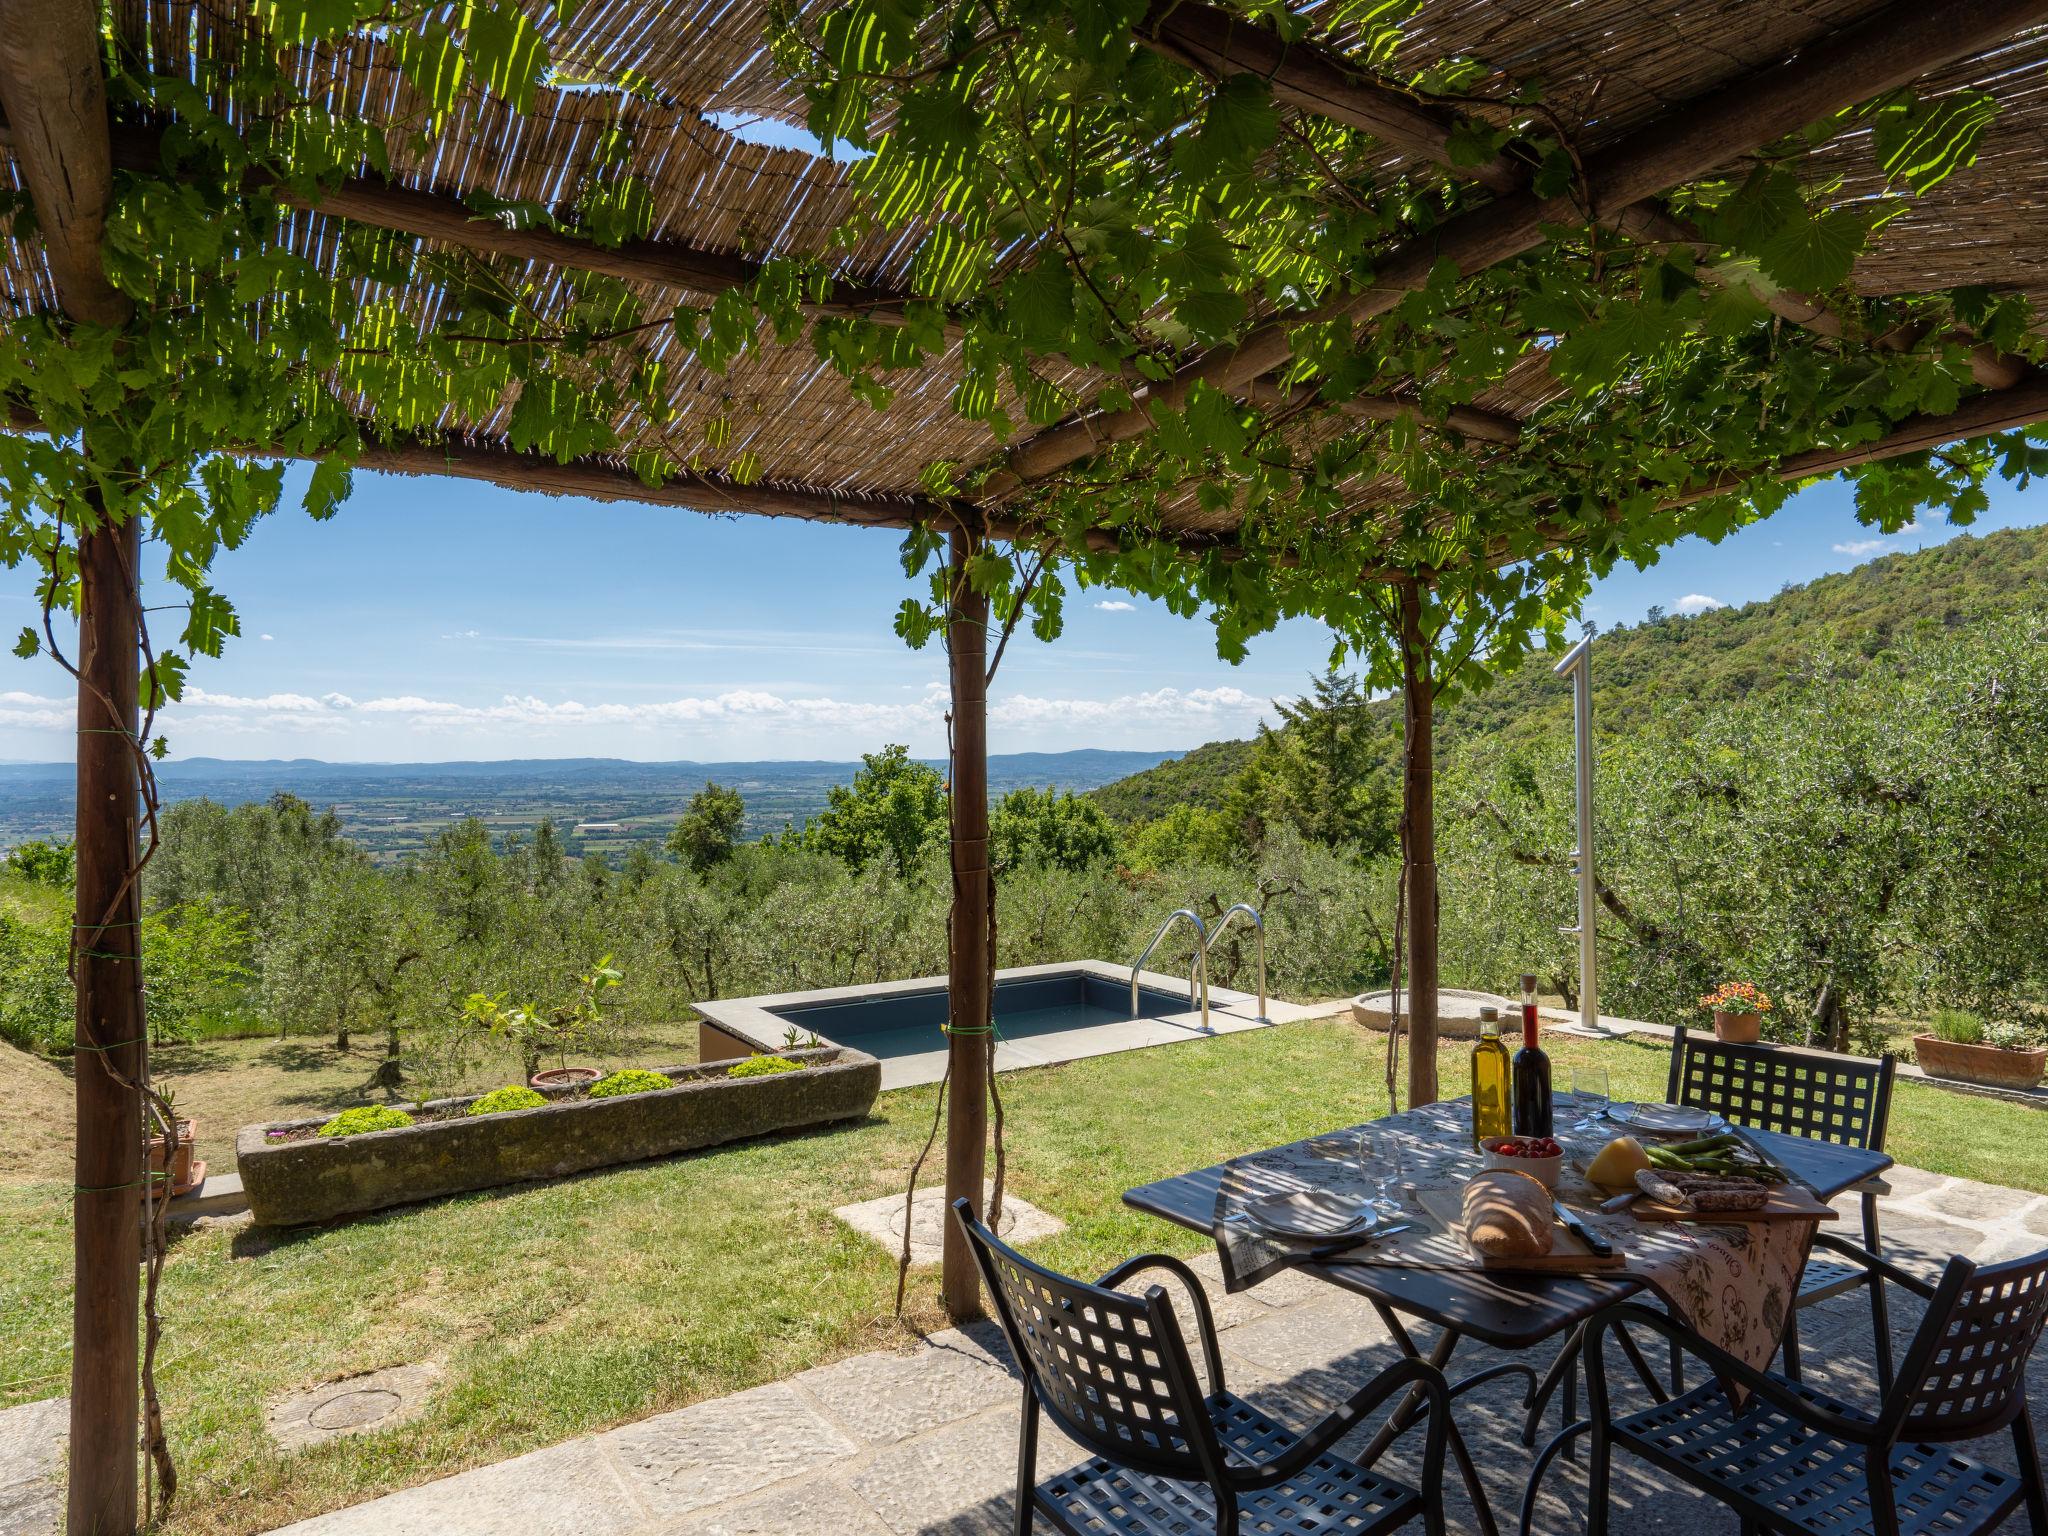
[(1510, 1311)]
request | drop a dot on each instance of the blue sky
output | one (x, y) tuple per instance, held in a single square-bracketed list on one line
[(439, 619)]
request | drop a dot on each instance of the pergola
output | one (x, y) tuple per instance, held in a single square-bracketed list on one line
[(1650, 99)]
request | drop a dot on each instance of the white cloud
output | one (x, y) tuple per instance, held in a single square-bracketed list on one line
[(17, 708), (464, 634), (1114, 605), (739, 721), (1859, 547), (266, 637), (1214, 710), (1698, 602)]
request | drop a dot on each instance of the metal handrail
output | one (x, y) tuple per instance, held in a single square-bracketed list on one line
[(1259, 928), (1201, 965)]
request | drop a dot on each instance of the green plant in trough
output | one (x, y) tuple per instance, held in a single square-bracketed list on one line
[(1958, 1026), (632, 1080), (365, 1118), (763, 1066), (500, 1100)]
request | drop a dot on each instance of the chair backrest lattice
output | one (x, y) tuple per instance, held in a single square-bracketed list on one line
[(1966, 1374), (1111, 1369), (1816, 1094)]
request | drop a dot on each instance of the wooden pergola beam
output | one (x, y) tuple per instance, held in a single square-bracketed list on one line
[(1464, 420), (1895, 46), (2020, 404), (667, 263), (1315, 78)]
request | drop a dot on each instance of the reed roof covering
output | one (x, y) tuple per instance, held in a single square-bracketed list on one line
[(1605, 68)]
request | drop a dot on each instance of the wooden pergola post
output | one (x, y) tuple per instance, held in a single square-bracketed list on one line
[(107, 1208), (969, 982), (1418, 800), (55, 100)]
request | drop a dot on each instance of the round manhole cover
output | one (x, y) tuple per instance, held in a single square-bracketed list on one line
[(352, 1410)]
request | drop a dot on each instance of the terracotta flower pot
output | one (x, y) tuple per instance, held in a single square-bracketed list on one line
[(1737, 1028), (181, 1163), (1989, 1065), (565, 1077)]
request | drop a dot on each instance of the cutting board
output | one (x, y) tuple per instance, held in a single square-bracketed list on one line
[(1788, 1202), (1567, 1256)]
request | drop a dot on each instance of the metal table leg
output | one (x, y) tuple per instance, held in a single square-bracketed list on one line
[(1405, 1411)]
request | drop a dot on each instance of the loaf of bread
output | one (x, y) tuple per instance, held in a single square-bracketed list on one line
[(1507, 1215)]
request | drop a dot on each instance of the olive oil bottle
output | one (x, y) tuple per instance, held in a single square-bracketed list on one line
[(1489, 1079)]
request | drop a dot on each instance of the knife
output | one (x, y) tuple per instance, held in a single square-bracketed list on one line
[(1598, 1246)]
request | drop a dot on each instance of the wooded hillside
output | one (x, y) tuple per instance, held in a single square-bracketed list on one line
[(1726, 655)]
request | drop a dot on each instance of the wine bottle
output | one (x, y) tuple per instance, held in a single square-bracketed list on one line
[(1532, 1072), (1490, 1076)]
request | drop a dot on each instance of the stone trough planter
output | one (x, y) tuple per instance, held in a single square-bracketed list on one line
[(291, 1183)]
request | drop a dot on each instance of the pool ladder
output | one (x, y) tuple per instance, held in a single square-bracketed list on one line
[(1198, 974), (1245, 909)]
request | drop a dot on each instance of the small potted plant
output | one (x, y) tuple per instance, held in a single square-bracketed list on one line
[(1962, 1046), (1739, 1008), (186, 1175), (538, 1030)]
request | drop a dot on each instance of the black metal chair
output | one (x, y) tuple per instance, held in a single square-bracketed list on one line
[(1112, 1370), (1843, 1099), (1787, 1458)]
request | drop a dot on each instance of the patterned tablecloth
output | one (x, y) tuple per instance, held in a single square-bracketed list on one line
[(1733, 1283)]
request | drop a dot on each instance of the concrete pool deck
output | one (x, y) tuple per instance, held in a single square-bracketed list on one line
[(759, 1023)]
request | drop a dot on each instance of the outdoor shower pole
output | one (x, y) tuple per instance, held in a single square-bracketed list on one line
[(1578, 665), (968, 979)]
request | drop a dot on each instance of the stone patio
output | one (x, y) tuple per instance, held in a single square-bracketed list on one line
[(924, 1441)]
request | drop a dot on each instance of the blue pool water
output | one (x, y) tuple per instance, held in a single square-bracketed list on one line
[(910, 1024)]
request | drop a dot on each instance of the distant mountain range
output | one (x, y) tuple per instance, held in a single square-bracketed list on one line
[(393, 807)]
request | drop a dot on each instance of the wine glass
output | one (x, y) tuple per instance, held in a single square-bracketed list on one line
[(1590, 1092), (1384, 1158)]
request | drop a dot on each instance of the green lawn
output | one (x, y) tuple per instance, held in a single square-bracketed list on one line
[(565, 1308)]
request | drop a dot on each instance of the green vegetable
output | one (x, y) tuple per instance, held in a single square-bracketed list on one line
[(632, 1080), (763, 1066), (500, 1100), (365, 1118)]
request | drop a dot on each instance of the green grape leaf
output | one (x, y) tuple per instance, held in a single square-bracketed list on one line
[(433, 64), (507, 52), (1922, 143), (1815, 252)]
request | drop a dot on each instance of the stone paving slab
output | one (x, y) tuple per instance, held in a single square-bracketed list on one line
[(565, 1490), (32, 1467), (884, 1398), (822, 1506), (718, 1450), (882, 1220)]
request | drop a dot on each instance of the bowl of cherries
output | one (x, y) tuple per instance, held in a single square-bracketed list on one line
[(1538, 1156)]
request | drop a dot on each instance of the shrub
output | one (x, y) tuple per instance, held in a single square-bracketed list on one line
[(763, 1066), (632, 1080), (365, 1118), (499, 1100), (2012, 1036)]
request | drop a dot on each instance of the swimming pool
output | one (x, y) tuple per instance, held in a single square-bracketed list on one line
[(1044, 1014)]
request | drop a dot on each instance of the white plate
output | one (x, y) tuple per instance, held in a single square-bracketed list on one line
[(1667, 1119), (1312, 1215)]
